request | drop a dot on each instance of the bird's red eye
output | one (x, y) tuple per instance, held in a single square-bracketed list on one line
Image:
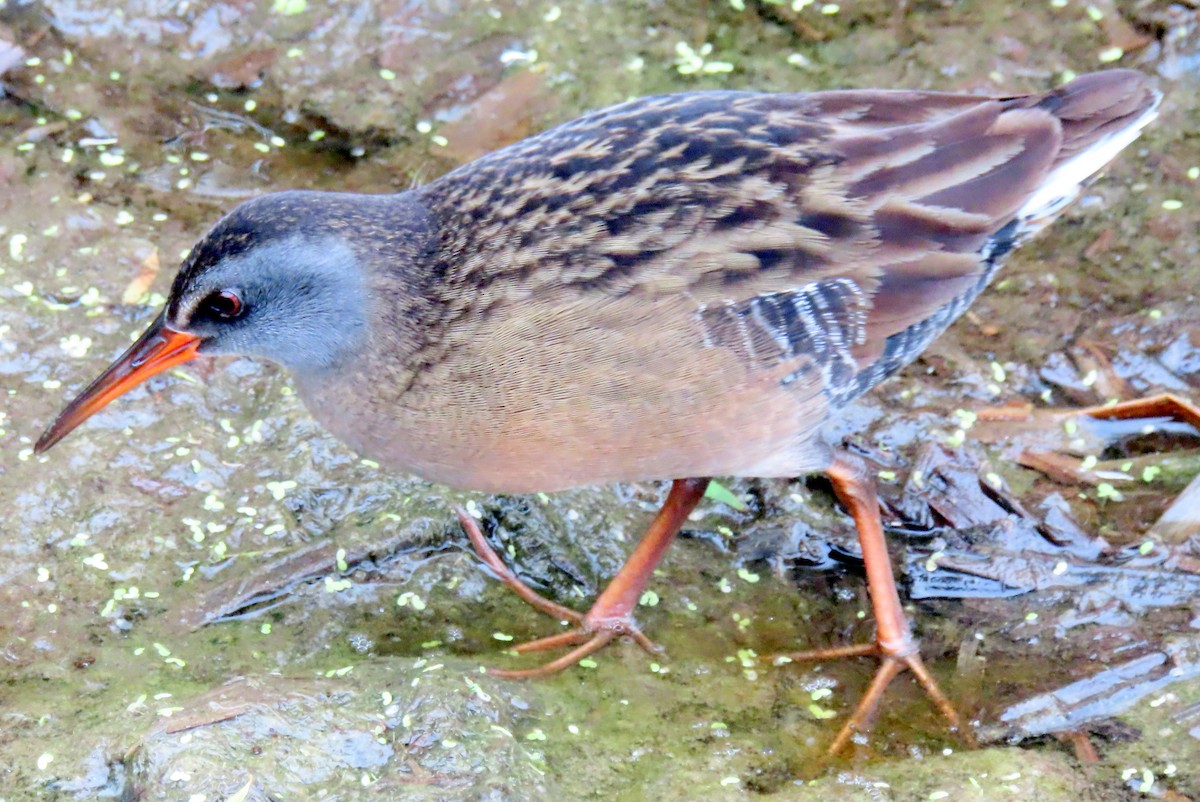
[(224, 305)]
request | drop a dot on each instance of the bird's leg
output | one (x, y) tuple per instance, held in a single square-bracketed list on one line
[(894, 643), (611, 615)]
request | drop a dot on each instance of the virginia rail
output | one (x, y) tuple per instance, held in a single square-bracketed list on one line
[(678, 286)]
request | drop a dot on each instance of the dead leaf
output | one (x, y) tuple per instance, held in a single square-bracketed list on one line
[(1182, 519), (502, 115), (1102, 244), (142, 281), (242, 71)]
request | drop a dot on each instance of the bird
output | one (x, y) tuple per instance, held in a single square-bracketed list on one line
[(676, 287)]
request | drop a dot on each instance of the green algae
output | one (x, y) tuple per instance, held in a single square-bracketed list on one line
[(184, 495)]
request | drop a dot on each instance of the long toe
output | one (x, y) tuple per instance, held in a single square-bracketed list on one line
[(598, 641), (894, 659)]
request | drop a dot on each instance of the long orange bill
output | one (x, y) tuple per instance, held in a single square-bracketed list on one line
[(156, 350)]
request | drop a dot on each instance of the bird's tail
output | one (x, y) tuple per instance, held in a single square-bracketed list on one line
[(1100, 114)]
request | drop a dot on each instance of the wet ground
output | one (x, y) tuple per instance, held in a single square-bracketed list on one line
[(206, 598)]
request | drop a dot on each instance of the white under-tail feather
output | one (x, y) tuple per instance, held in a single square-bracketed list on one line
[(1067, 180)]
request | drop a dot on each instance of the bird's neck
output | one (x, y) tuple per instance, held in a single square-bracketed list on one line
[(395, 252)]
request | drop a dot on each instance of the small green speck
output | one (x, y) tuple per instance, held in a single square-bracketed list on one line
[(747, 576), (648, 599), (410, 599), (822, 713), (588, 662), (16, 246), (502, 636), (718, 492), (337, 585), (1172, 204)]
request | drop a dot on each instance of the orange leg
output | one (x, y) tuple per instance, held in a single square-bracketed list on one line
[(894, 643), (611, 616)]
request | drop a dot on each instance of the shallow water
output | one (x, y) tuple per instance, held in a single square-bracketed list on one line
[(205, 595)]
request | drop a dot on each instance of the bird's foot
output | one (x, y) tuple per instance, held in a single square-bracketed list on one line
[(592, 631), (893, 659)]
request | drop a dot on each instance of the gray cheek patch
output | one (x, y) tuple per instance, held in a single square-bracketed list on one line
[(306, 303)]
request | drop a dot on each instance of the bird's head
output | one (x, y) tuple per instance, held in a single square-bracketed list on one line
[(278, 277)]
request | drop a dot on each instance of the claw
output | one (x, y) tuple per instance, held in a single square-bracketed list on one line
[(892, 662), (611, 616)]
